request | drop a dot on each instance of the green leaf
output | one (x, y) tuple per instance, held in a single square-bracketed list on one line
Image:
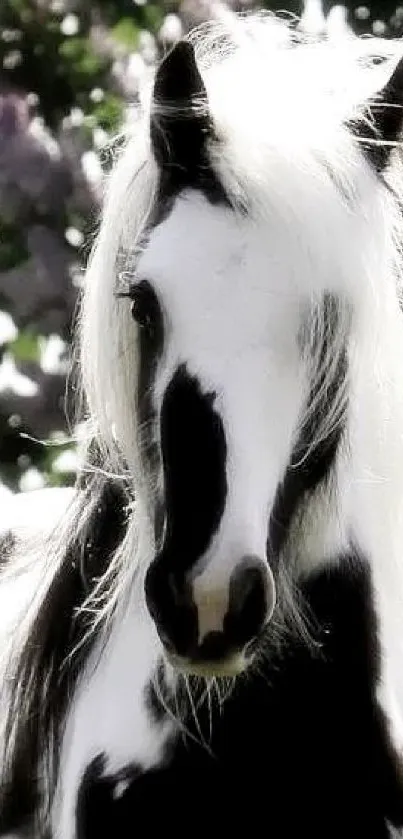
[(13, 250), (153, 17), (109, 113), (26, 347), (18, 5), (80, 54), (126, 33)]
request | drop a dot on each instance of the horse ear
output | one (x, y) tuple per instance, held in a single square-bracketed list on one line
[(379, 135), (180, 122)]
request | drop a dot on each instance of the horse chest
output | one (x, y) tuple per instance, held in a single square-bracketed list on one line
[(299, 747)]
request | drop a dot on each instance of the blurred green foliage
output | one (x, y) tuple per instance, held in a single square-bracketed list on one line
[(12, 245)]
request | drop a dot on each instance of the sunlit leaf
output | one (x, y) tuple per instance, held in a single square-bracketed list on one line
[(126, 32), (26, 347)]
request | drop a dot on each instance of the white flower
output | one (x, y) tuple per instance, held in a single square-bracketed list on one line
[(30, 480), (76, 117), (67, 461), (12, 379), (92, 168), (8, 329), (171, 30), (379, 28), (51, 357), (97, 94), (100, 137), (362, 12), (70, 25), (74, 237)]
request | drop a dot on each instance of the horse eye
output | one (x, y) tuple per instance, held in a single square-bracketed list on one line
[(143, 306)]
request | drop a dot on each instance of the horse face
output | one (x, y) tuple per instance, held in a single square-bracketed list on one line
[(243, 332), (221, 388)]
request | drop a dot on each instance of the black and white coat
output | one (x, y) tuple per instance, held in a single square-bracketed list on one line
[(209, 635)]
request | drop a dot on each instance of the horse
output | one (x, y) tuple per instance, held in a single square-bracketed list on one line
[(206, 632)]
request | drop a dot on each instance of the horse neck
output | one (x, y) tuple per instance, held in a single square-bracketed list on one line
[(371, 476)]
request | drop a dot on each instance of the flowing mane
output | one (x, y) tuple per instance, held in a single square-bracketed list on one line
[(240, 394)]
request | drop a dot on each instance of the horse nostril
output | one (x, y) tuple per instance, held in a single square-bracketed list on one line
[(172, 609), (214, 647), (251, 601), (178, 616)]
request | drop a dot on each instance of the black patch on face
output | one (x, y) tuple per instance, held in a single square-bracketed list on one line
[(194, 461), (302, 739), (147, 313), (181, 129), (46, 673), (249, 600), (310, 466), (194, 458), (151, 342), (385, 123)]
